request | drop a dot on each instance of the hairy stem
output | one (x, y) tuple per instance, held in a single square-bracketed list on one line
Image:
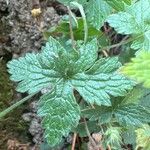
[(70, 27), (105, 53), (89, 135), (120, 44), (9, 109), (109, 148), (80, 7), (74, 141)]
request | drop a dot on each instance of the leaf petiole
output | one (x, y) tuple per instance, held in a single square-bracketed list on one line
[(80, 7), (120, 44), (70, 27), (12, 107)]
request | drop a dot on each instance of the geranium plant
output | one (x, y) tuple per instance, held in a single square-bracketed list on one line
[(90, 90)]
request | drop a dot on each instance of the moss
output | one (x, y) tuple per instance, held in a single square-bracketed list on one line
[(12, 125), (6, 87)]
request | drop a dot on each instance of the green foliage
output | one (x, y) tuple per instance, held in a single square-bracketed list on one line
[(119, 5), (134, 95), (139, 68), (124, 114), (97, 11), (84, 87), (63, 30), (113, 137), (100, 81), (60, 112), (134, 20), (143, 137), (127, 111), (94, 80), (93, 126), (67, 2), (144, 100), (132, 115), (129, 136)]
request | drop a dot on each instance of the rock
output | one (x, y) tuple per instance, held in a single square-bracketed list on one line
[(3, 5), (33, 106), (26, 31), (35, 128), (27, 117)]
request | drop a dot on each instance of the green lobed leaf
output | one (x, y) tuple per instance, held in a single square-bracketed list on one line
[(97, 11), (129, 136), (36, 71), (134, 96), (125, 114), (124, 23), (119, 5), (60, 111), (139, 68), (145, 99), (135, 21), (88, 55), (100, 81), (132, 114), (101, 113), (31, 73)]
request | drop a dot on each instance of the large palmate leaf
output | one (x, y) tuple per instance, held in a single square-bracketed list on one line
[(60, 111), (139, 68), (65, 70), (135, 21)]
